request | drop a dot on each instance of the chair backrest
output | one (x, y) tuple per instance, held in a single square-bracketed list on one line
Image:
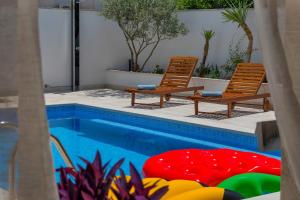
[(246, 79), (179, 72)]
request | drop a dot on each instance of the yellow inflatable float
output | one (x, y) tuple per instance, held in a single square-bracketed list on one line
[(188, 190)]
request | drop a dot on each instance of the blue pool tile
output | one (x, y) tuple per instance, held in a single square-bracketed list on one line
[(84, 129)]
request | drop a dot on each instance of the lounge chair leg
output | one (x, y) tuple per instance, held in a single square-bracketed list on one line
[(233, 105), (266, 105), (161, 102), (196, 104), (132, 98), (168, 97), (229, 109)]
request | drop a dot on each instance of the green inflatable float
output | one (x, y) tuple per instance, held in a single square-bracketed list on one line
[(252, 184)]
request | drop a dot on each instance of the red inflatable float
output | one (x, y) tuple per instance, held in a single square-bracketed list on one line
[(208, 167)]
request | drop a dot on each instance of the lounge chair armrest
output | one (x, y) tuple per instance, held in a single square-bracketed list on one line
[(131, 90)]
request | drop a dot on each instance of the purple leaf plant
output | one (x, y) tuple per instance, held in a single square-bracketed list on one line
[(134, 188), (94, 183)]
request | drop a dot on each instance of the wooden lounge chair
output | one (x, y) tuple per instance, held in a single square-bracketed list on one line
[(243, 86), (176, 79)]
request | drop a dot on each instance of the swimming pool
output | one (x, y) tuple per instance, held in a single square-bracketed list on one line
[(83, 130)]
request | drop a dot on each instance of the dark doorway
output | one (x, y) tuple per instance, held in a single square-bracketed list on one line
[(75, 14)]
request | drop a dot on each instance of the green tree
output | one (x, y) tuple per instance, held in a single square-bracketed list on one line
[(238, 14), (144, 23)]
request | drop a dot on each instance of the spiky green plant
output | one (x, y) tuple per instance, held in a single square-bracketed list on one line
[(238, 14)]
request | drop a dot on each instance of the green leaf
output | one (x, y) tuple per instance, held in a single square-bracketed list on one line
[(237, 12)]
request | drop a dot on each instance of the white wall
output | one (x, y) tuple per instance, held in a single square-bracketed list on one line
[(103, 45), (55, 42), (193, 42)]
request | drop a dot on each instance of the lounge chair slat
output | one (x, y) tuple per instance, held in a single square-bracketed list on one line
[(175, 82), (177, 78), (239, 74), (246, 79), (244, 84), (242, 71), (242, 91), (241, 83), (242, 88)]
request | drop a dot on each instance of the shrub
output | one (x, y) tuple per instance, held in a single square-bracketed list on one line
[(236, 55), (158, 70), (205, 4), (194, 4), (210, 71)]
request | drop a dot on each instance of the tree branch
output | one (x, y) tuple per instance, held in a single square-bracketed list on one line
[(141, 46), (127, 41), (149, 56)]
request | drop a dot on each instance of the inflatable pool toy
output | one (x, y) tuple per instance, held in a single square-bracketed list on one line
[(191, 190), (207, 193), (176, 187), (252, 184), (209, 167)]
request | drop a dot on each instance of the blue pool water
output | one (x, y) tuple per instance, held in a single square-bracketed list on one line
[(83, 130)]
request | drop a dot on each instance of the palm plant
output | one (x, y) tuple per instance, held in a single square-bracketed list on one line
[(208, 35), (237, 14)]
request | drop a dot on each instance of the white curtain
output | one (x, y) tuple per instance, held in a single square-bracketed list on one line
[(8, 47), (279, 28), (20, 60)]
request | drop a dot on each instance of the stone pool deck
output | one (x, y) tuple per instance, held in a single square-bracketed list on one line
[(243, 120)]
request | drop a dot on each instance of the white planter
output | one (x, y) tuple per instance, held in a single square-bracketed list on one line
[(117, 79)]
